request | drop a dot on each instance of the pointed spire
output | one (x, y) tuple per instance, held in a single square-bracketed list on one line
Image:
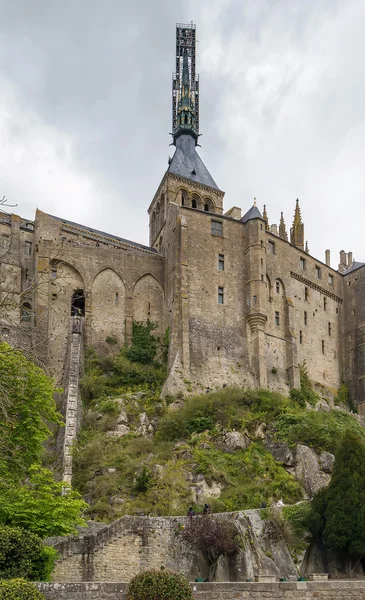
[(185, 122), (297, 230), (266, 218), (282, 228)]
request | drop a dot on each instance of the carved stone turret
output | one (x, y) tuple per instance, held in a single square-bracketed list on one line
[(282, 228), (297, 230)]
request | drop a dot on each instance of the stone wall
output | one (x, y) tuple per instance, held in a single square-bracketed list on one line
[(301, 590), (354, 336), (130, 545)]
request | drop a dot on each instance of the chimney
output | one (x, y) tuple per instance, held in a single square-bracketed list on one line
[(350, 260), (274, 229), (328, 258), (343, 262)]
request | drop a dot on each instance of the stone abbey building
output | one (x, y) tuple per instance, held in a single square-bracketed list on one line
[(245, 302)]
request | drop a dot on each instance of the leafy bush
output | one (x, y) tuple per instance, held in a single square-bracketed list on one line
[(39, 504), (144, 344), (19, 589), (317, 429), (22, 554), (159, 585)]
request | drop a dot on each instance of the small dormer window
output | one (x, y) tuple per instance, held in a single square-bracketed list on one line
[(30, 226)]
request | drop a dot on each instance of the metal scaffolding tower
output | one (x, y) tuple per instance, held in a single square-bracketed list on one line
[(185, 41)]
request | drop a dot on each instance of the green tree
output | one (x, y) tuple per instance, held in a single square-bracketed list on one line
[(29, 495), (22, 554), (40, 504), (144, 343), (338, 512), (27, 408)]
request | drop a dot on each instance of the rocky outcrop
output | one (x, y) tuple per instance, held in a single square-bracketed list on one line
[(280, 451), (308, 472), (234, 440)]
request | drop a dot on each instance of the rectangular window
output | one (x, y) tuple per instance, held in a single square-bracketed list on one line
[(220, 295), (324, 303), (53, 272), (277, 318), (300, 337), (306, 294), (220, 262), (271, 246), (302, 263), (254, 300), (305, 318), (217, 228), (329, 329), (322, 346), (318, 272), (28, 248), (330, 278)]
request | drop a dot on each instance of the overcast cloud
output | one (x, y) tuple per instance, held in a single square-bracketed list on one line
[(85, 109)]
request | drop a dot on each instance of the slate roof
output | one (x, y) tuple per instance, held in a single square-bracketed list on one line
[(187, 163), (108, 235), (355, 266), (253, 213)]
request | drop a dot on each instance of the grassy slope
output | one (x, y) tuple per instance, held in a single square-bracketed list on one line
[(152, 475)]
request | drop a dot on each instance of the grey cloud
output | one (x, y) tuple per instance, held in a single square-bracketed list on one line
[(282, 89)]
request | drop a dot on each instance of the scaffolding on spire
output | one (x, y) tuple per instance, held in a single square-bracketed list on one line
[(185, 44)]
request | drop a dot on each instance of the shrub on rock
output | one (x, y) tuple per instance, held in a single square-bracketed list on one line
[(19, 589), (159, 585)]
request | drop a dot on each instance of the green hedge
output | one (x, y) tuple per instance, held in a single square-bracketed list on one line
[(22, 554), (19, 589), (159, 585)]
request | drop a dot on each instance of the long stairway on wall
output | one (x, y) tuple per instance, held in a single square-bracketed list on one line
[(73, 406)]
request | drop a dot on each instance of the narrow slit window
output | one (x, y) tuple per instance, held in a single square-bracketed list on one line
[(220, 295), (323, 347), (330, 329), (277, 285), (277, 318), (301, 337), (220, 262), (305, 318), (324, 303), (306, 294), (116, 296)]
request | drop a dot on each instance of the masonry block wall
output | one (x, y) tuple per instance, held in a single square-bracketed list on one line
[(244, 306)]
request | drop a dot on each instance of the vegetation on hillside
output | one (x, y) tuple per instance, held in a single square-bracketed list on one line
[(155, 474), (30, 497), (338, 512)]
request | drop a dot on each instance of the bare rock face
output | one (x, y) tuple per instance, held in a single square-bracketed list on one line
[(308, 472), (145, 427), (234, 440), (201, 490), (326, 461), (280, 451)]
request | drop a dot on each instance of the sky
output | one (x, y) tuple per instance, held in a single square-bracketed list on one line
[(85, 109)]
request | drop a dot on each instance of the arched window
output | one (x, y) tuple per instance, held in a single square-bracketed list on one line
[(195, 201), (208, 204), (184, 198), (78, 304), (26, 312)]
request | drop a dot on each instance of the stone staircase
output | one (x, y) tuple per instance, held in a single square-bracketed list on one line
[(72, 411)]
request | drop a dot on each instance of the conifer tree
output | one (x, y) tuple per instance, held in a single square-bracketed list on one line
[(338, 513)]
